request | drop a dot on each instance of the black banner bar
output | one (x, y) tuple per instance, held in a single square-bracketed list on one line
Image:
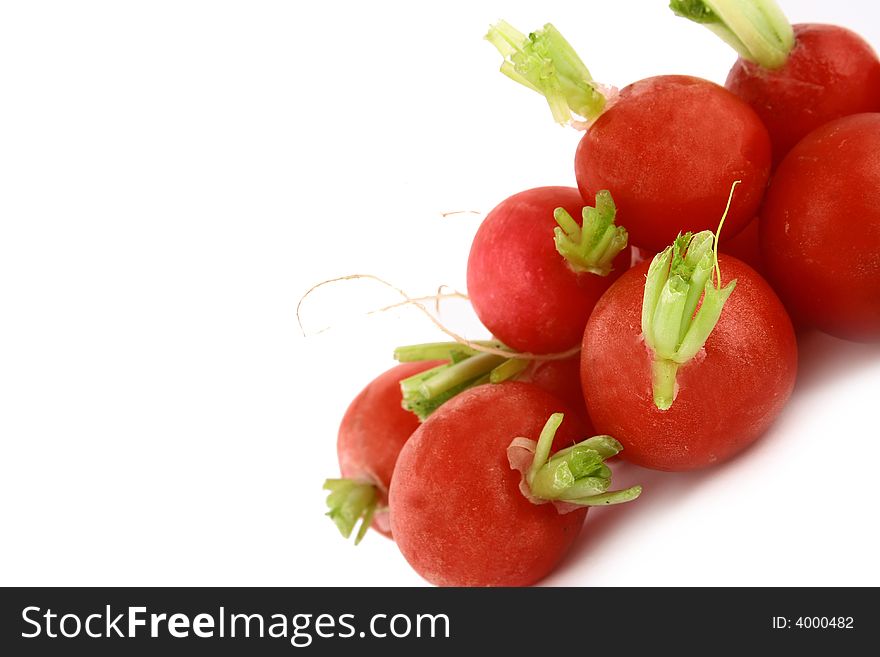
[(277, 621)]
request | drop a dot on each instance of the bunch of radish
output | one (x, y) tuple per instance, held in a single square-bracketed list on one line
[(650, 312)]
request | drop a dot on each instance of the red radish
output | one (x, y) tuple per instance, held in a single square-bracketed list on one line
[(666, 148), (821, 228), (683, 372), (373, 430), (796, 78), (459, 512), (534, 273)]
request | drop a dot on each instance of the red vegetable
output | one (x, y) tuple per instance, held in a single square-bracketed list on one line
[(372, 432), (831, 72), (534, 274), (458, 513), (686, 374), (666, 148), (821, 228), (796, 78)]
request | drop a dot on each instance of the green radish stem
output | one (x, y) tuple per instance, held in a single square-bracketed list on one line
[(425, 392), (672, 326), (351, 501), (592, 246), (756, 29), (578, 474), (451, 376), (439, 350), (509, 369), (546, 63)]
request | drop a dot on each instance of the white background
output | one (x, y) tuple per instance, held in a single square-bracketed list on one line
[(175, 175)]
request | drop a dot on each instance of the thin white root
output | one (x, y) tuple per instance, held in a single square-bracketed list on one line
[(436, 298), (454, 212), (418, 302)]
